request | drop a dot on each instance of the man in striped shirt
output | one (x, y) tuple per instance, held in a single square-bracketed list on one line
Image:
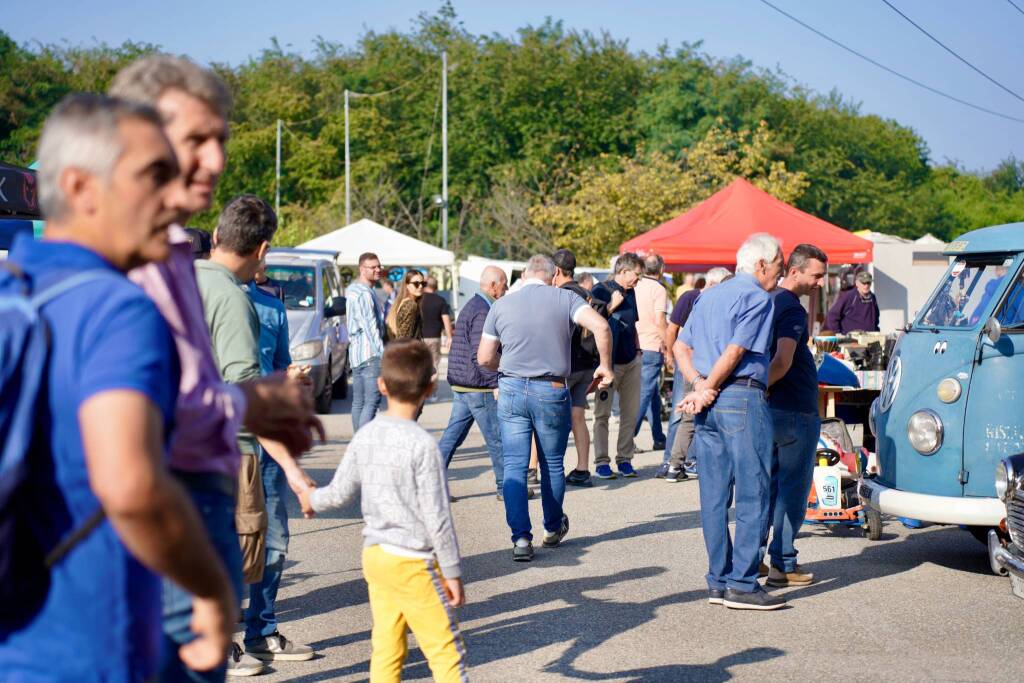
[(366, 340)]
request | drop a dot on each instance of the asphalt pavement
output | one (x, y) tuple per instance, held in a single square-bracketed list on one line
[(624, 597)]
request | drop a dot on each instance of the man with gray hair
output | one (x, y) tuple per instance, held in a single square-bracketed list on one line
[(534, 327), (109, 188), (193, 104), (723, 352), (474, 387), (652, 310)]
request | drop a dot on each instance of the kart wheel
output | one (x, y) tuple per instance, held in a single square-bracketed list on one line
[(872, 524)]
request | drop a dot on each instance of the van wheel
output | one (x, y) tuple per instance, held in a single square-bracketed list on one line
[(322, 404), (872, 524)]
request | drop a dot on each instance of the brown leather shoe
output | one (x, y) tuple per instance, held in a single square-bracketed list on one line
[(781, 579), (762, 570)]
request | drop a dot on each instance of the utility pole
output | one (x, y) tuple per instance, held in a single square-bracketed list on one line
[(444, 150), (348, 177), (277, 175)]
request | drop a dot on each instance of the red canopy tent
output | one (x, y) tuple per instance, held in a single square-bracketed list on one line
[(710, 233)]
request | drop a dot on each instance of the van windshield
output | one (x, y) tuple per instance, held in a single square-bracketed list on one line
[(966, 292), (298, 283)]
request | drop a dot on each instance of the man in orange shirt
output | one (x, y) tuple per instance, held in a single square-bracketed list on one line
[(652, 306)]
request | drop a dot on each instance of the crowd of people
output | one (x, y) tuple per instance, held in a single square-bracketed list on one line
[(168, 420)]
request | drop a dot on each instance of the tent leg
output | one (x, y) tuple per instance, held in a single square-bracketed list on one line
[(455, 290)]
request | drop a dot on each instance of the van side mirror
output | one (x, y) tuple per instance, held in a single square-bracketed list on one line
[(993, 330), (337, 308)]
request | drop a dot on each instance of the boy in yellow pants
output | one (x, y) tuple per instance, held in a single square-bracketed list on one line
[(410, 552)]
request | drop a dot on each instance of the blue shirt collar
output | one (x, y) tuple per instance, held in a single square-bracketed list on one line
[(31, 253), (486, 298)]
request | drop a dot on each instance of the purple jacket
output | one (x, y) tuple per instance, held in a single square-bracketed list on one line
[(852, 313)]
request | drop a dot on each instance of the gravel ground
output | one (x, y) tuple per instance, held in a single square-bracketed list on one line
[(624, 598)]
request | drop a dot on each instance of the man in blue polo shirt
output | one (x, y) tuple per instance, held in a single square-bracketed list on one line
[(723, 350), (109, 188), (793, 399)]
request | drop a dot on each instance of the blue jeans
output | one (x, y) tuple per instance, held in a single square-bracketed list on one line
[(527, 407), (365, 395), (796, 440), (733, 444), (481, 407), (260, 620), (650, 396), (217, 511)]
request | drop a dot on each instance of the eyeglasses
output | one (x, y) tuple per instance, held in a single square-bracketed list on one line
[(416, 283)]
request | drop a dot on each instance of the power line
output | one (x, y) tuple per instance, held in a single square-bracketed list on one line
[(950, 50), (1016, 6), (892, 71)]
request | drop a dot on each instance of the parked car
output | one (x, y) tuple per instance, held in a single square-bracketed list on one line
[(949, 409), (1008, 549), (317, 331)]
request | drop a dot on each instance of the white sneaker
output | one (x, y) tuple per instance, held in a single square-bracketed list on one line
[(241, 664)]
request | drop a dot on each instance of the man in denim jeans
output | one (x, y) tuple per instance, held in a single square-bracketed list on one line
[(793, 378), (724, 354), (534, 327), (475, 388), (652, 309), (366, 340)]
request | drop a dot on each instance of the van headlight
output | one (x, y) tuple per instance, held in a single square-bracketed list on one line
[(924, 430), (307, 351), (1004, 475)]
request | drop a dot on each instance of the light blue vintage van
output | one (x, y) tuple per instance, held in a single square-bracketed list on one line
[(952, 403)]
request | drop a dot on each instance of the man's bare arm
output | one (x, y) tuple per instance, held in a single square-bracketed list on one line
[(151, 512), (722, 368), (297, 478), (783, 359), (487, 353), (590, 319), (281, 409)]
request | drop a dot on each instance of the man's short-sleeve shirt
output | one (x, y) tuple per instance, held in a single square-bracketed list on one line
[(651, 301), (102, 617), (534, 326), (681, 311), (739, 312), (797, 390), (273, 340), (432, 307)]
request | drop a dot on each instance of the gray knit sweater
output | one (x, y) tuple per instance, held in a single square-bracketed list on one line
[(397, 468)]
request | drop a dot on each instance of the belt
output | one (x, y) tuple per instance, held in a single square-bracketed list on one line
[(742, 382), (554, 379), (207, 481)]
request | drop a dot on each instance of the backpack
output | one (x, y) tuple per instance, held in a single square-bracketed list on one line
[(24, 353)]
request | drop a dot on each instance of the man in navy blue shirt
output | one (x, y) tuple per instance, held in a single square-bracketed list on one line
[(723, 352), (793, 399), (617, 293), (109, 188)]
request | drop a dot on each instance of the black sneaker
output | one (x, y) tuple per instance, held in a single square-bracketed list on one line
[(675, 476), (579, 478), (553, 538), (757, 600), (278, 648), (716, 596), (658, 446), (522, 550)]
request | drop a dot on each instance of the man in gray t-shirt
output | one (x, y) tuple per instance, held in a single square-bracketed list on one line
[(533, 327)]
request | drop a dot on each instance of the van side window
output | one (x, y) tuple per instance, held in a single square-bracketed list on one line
[(1012, 313), (328, 290)]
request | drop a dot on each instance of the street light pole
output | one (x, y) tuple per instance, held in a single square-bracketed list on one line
[(348, 178), (444, 150)]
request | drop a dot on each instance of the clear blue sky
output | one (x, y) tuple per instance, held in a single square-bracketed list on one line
[(985, 32)]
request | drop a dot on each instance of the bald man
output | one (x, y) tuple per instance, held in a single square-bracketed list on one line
[(475, 388)]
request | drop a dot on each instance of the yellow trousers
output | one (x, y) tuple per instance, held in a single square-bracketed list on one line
[(407, 593)]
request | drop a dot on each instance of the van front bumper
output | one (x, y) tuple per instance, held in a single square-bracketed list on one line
[(936, 509)]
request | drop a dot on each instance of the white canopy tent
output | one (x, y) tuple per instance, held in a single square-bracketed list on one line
[(392, 247)]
